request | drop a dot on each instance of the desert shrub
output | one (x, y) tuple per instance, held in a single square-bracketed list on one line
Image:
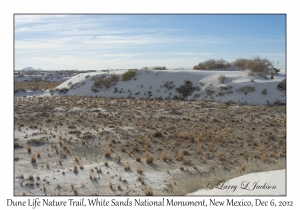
[(281, 86), (212, 64), (139, 170), (169, 85), (228, 87), (187, 89), (107, 152), (101, 82), (240, 63), (159, 68), (128, 75), (245, 89), (221, 78), (259, 66)]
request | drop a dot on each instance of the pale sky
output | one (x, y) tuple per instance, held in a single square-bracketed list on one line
[(83, 42)]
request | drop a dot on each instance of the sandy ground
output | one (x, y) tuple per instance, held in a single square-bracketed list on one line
[(91, 146)]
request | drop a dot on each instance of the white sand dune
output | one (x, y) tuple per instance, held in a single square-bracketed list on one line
[(262, 183), (151, 84)]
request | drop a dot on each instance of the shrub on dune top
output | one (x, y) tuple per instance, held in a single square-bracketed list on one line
[(159, 68), (212, 64), (128, 75), (257, 65)]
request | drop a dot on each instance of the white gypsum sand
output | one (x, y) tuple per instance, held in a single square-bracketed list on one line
[(262, 183)]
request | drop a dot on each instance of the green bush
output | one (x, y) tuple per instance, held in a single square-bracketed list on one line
[(128, 75), (159, 68)]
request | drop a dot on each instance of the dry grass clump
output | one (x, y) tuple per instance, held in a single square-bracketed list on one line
[(137, 158), (181, 154), (221, 155), (75, 169), (33, 158), (148, 191), (65, 147), (164, 156), (127, 167), (139, 169), (221, 79), (28, 148), (141, 179), (118, 159), (107, 152), (170, 186), (59, 161), (149, 158), (110, 184)]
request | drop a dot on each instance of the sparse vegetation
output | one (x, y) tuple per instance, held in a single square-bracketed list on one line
[(35, 85), (103, 82), (212, 64), (221, 79), (179, 137), (33, 158), (264, 91), (148, 191), (128, 75), (149, 158), (257, 65), (159, 68)]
